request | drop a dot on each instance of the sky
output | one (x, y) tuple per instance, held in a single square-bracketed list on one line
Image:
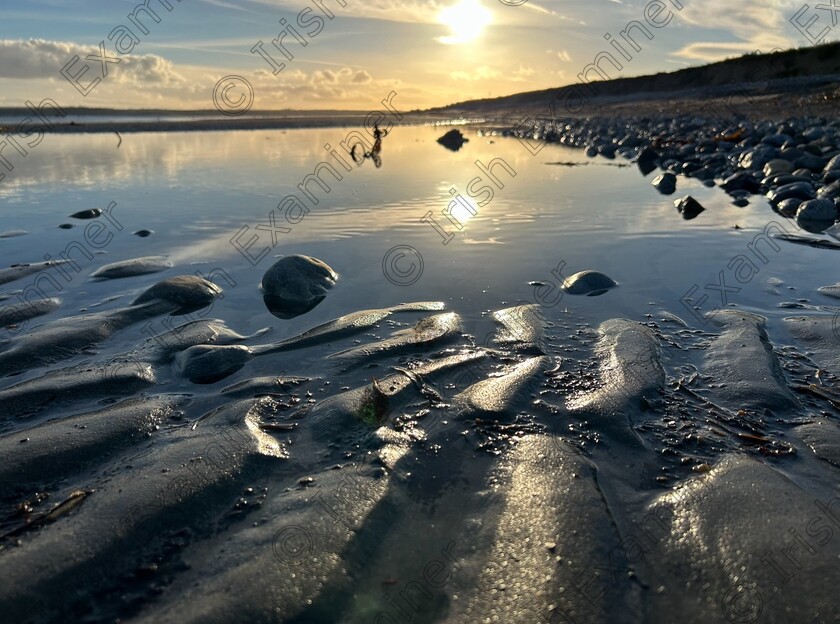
[(429, 53)]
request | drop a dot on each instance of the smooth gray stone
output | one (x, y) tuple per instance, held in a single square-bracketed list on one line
[(135, 266), (93, 213), (830, 291), (830, 191), (589, 283), (665, 183), (777, 166), (184, 291), (18, 271), (797, 190), (298, 280), (833, 164), (788, 207), (688, 207), (816, 210), (13, 233)]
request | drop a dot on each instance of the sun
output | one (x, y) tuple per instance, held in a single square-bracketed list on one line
[(467, 20)]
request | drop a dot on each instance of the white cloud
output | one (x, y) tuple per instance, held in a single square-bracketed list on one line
[(30, 59), (754, 26), (523, 73), (711, 52), (413, 11)]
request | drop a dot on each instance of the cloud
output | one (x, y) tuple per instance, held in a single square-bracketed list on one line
[(413, 11), (297, 88), (523, 73), (761, 25), (29, 59), (564, 56), (711, 52)]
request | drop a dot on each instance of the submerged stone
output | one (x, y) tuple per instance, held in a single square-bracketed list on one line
[(665, 183), (87, 214), (135, 266), (187, 291), (453, 140), (688, 207), (589, 283), (295, 284)]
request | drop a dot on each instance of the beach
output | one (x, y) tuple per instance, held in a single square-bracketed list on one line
[(245, 377)]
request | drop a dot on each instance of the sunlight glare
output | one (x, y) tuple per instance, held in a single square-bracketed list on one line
[(466, 20)]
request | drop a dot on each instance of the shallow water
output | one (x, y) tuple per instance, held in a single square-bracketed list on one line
[(197, 190), (200, 191)]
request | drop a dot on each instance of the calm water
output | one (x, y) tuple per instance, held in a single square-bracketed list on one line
[(197, 190)]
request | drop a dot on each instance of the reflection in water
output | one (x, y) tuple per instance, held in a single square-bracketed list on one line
[(284, 309), (201, 191), (359, 154)]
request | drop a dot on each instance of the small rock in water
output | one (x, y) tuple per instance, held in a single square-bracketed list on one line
[(66, 226), (86, 214), (665, 183), (296, 284), (135, 266), (590, 283), (13, 233), (188, 291), (830, 291), (453, 140), (688, 207), (741, 202), (144, 233)]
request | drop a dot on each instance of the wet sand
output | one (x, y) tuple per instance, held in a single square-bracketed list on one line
[(441, 449)]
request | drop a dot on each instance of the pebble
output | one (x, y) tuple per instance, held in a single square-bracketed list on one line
[(665, 183), (688, 207)]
